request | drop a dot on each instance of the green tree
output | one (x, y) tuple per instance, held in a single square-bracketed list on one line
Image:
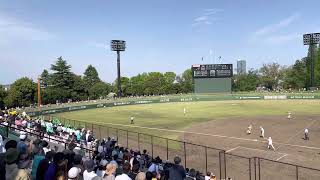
[(45, 78), (62, 80), (22, 93), (125, 86), (187, 82), (91, 76), (98, 90), (3, 95), (246, 82), (78, 90), (168, 86), (138, 84), (295, 77), (272, 75), (154, 83)]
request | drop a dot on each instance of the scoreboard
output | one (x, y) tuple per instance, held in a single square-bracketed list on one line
[(212, 71)]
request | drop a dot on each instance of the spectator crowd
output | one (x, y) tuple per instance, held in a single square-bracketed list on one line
[(38, 158)]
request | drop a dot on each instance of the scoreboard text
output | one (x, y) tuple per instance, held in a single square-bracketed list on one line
[(212, 71)]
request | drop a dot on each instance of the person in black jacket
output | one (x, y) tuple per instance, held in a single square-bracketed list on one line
[(177, 172)]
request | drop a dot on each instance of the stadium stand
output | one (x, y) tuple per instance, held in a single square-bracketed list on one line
[(36, 149)]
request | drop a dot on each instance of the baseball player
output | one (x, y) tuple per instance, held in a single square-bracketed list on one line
[(132, 120), (289, 115), (306, 134), (249, 129), (184, 111), (270, 145), (262, 132)]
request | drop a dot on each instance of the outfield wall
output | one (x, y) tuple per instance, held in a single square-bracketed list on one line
[(172, 99)]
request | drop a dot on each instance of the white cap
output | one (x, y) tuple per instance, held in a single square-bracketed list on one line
[(73, 172), (23, 136)]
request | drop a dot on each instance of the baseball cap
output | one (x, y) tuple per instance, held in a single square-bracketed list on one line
[(73, 172)]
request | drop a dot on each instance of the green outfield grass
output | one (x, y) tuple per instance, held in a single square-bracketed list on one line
[(171, 116)]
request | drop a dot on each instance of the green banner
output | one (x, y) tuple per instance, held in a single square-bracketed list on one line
[(172, 99)]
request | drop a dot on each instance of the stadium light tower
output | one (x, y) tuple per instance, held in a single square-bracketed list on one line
[(311, 39), (118, 45)]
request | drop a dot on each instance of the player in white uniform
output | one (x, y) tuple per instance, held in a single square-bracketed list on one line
[(306, 134), (249, 129), (289, 115), (270, 145), (132, 120), (184, 111), (262, 132)]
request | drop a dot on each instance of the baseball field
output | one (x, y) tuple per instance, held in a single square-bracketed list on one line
[(223, 125)]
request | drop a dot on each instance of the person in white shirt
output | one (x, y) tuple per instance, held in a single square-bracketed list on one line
[(184, 111), (262, 132), (132, 119), (126, 169), (306, 134), (270, 145), (89, 174)]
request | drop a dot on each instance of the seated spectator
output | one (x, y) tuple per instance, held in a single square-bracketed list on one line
[(191, 175), (114, 160), (102, 168), (126, 170), (88, 174), (148, 175), (74, 173), (11, 158), (177, 172), (22, 145), (110, 171), (140, 176)]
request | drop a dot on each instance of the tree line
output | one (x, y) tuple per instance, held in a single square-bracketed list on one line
[(62, 85)]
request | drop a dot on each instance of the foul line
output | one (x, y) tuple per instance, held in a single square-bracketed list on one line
[(233, 149), (282, 157), (213, 135)]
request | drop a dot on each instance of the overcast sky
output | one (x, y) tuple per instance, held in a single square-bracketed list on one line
[(161, 35)]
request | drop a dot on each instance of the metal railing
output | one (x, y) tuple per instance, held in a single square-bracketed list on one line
[(201, 157)]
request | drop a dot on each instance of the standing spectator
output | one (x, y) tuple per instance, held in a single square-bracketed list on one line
[(77, 162), (38, 157), (177, 172), (43, 165), (126, 169), (154, 167), (88, 174), (135, 171), (52, 169), (110, 170), (11, 158), (23, 165), (2, 149)]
